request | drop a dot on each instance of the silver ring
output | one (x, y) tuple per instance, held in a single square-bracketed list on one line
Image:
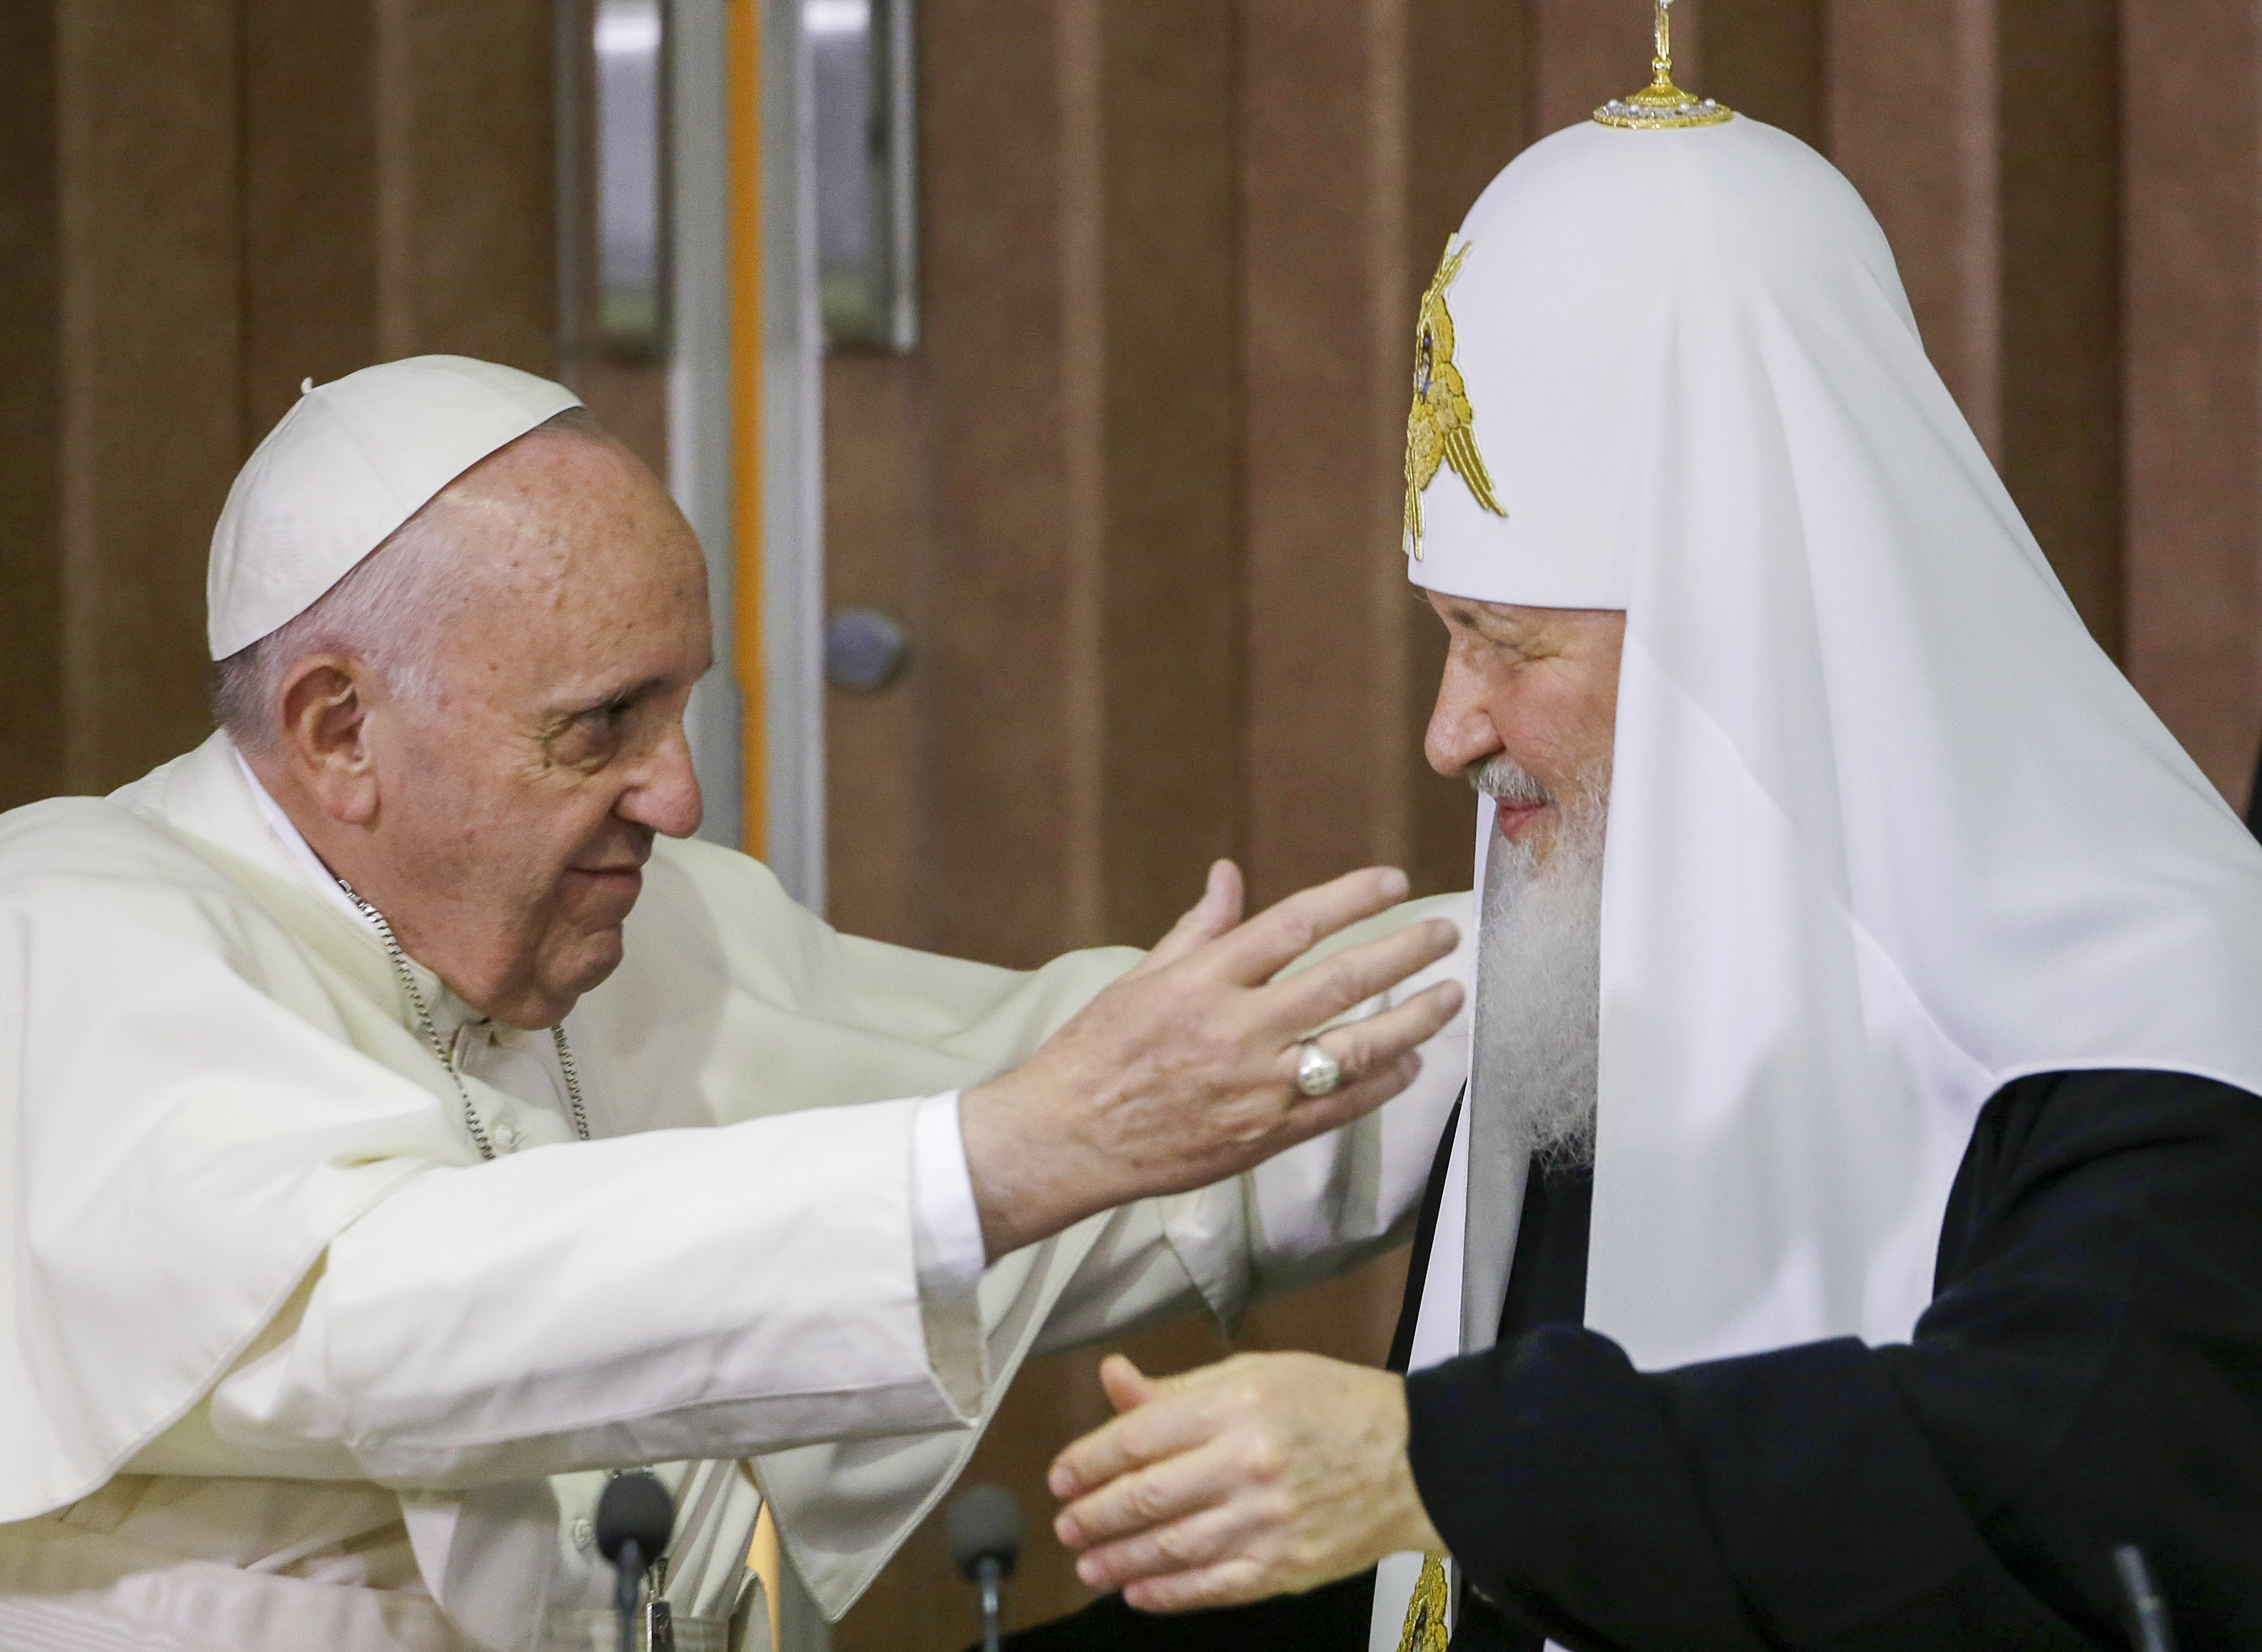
[(1317, 1072)]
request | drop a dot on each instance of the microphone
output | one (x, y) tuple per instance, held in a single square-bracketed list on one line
[(985, 1529), (635, 1518)]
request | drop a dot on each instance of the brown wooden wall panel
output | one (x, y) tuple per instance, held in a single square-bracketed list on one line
[(1367, 135), (1012, 623), (1911, 122), (1336, 297), (2193, 150), (1171, 471), (878, 553), (152, 410), (2058, 314), (1764, 59), (467, 234), (1585, 53), (1326, 261), (310, 164), (203, 203), (30, 390)]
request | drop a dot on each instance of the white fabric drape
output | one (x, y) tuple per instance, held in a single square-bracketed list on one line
[(251, 1245), (1887, 830)]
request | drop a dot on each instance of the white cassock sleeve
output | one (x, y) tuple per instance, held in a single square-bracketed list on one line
[(743, 1289), (676, 1294)]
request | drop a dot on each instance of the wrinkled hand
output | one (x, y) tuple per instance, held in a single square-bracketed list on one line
[(1265, 1474), (1184, 1071)]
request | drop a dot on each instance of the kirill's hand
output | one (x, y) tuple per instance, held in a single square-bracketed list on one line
[(1184, 1071), (1265, 1474)]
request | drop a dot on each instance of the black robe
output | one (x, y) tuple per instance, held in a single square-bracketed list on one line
[(2089, 1374), (2254, 803)]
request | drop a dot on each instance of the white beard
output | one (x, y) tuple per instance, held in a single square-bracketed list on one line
[(1539, 976)]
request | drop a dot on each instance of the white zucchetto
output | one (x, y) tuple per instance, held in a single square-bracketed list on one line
[(1887, 829), (348, 464)]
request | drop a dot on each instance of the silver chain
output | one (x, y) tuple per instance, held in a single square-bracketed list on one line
[(439, 1050)]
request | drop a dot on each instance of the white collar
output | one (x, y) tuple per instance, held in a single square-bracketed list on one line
[(448, 1012), (293, 844)]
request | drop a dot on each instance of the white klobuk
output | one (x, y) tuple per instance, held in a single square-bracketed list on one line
[(1887, 829)]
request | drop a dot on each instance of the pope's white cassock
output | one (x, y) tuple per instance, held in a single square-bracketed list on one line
[(286, 1366)]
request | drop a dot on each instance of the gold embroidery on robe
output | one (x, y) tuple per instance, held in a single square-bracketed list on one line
[(1427, 1629)]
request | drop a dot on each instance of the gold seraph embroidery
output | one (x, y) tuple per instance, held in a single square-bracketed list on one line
[(1441, 428)]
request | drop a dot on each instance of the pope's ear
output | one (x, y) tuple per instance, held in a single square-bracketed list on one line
[(322, 717)]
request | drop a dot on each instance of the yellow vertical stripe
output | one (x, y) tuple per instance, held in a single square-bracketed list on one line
[(764, 1561), (745, 116)]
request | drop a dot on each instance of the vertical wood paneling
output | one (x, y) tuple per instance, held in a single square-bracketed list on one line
[(879, 553), (31, 391), (1911, 121), (2058, 338), (152, 408), (310, 163), (466, 231), (2193, 154), (1170, 416), (997, 326), (1764, 59), (193, 192), (1015, 365), (1584, 53), (1084, 367), (1325, 258)]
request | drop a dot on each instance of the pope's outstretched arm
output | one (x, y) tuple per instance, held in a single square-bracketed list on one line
[(741, 1290)]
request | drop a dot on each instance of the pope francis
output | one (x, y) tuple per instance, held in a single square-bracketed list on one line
[(407, 1124)]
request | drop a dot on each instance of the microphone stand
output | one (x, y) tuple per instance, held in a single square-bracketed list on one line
[(984, 1533), (989, 1575)]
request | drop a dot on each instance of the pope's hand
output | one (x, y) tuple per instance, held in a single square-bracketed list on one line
[(1269, 1474), (1184, 1071)]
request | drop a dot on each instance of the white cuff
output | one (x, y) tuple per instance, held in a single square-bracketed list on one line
[(947, 1225)]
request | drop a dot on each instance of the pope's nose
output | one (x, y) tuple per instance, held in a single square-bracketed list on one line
[(666, 795)]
